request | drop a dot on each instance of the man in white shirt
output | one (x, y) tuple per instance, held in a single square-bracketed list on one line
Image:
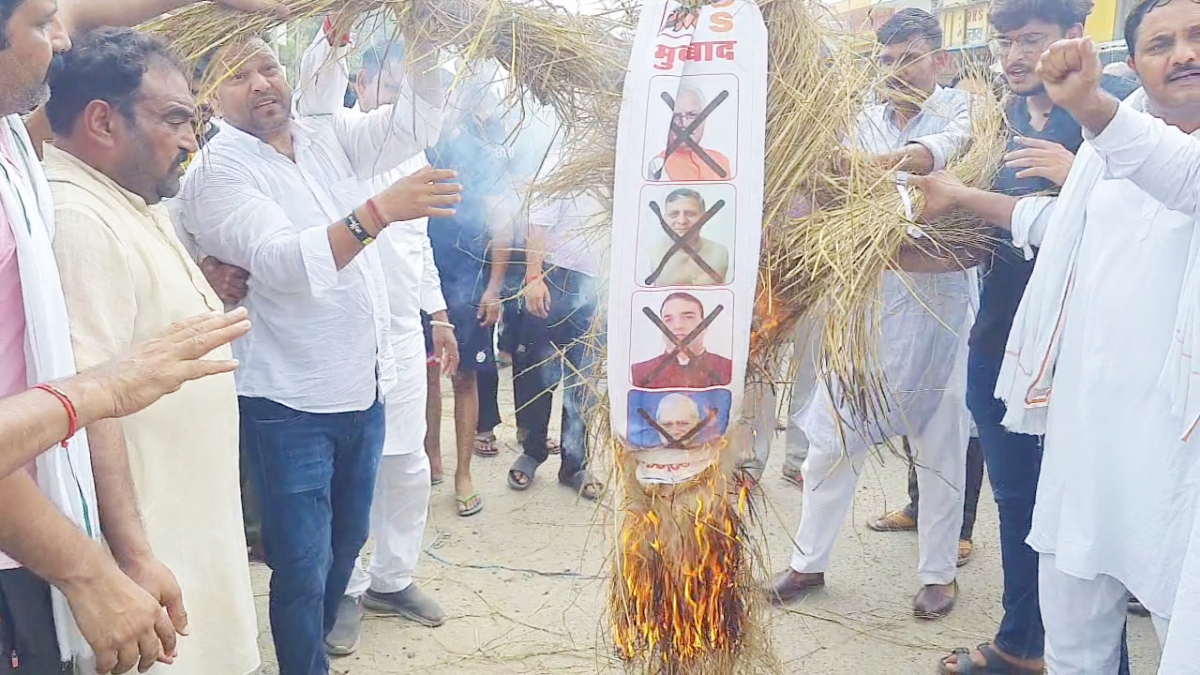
[(402, 489), (922, 345), (314, 373), (1099, 358)]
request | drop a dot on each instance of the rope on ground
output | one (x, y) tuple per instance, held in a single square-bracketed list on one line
[(568, 574)]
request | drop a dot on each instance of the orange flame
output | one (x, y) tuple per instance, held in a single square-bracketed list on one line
[(680, 580)]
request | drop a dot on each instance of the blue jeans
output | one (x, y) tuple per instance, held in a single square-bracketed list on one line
[(1013, 464), (315, 476), (538, 367)]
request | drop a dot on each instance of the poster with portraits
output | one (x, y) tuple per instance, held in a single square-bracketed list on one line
[(687, 203)]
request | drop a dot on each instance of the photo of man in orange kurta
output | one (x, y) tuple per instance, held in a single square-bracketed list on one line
[(684, 163)]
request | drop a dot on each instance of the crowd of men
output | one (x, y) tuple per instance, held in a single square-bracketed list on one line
[(1071, 355), (373, 250), (119, 256)]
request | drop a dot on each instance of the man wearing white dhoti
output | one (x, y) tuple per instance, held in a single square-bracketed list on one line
[(402, 488), (922, 346), (121, 114)]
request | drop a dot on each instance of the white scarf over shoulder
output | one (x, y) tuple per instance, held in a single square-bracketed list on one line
[(64, 474), (1027, 374)]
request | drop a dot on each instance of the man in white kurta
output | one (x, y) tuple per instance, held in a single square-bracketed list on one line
[(1104, 356), (402, 488), (125, 278), (922, 352)]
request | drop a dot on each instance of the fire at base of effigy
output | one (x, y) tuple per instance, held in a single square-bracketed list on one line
[(683, 591)]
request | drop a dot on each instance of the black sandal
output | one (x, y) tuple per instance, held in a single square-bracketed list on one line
[(524, 465), (996, 665)]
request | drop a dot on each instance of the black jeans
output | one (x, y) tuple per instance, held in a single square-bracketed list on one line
[(973, 485), (27, 635), (554, 350)]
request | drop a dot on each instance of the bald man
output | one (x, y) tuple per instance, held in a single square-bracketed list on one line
[(678, 414), (683, 163)]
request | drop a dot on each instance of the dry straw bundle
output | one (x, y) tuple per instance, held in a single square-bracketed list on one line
[(571, 62)]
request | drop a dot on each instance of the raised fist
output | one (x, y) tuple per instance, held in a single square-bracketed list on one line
[(1071, 72)]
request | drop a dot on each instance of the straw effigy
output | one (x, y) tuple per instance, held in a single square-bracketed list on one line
[(682, 597)]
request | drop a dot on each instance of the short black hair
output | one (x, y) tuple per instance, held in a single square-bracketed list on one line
[(106, 64), (383, 51), (684, 193), (686, 297), (7, 7), (1134, 21), (908, 24), (1006, 15)]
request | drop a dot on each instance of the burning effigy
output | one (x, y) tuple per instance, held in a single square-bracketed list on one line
[(714, 134)]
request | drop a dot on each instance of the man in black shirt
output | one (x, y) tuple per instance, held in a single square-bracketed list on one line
[(1040, 151)]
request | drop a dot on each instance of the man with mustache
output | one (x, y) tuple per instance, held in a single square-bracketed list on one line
[(71, 603), (1100, 357), (683, 209), (288, 200), (122, 115)]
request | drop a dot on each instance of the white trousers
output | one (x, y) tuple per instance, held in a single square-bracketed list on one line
[(940, 455), (1084, 620), (762, 402), (401, 504)]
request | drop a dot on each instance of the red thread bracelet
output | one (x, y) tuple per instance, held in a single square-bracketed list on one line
[(377, 214), (65, 400)]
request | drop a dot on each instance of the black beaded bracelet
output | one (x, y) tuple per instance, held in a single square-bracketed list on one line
[(357, 229)]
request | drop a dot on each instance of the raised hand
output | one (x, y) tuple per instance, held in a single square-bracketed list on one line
[(157, 367), (426, 193), (1071, 72)]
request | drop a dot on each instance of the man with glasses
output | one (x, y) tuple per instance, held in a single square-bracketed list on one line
[(1040, 154), (683, 162)]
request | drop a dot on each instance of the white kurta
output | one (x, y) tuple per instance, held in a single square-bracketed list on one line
[(126, 277), (404, 250), (924, 321), (1115, 491), (401, 503), (1165, 162), (923, 315)]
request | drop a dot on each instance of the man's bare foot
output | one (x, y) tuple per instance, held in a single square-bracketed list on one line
[(985, 655)]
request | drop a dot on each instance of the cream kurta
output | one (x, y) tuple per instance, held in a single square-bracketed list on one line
[(126, 277)]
